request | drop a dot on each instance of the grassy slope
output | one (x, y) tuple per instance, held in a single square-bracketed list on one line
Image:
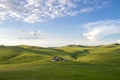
[(109, 54), (85, 63), (17, 54)]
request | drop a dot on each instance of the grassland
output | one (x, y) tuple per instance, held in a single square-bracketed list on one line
[(82, 63)]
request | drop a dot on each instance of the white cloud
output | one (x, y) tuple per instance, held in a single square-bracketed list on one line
[(14, 34), (99, 29), (118, 42), (85, 10), (92, 34), (32, 11), (32, 18), (34, 37)]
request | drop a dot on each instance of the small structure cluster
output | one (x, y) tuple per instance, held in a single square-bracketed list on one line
[(56, 58)]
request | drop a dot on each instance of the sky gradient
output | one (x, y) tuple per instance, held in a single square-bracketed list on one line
[(49, 23)]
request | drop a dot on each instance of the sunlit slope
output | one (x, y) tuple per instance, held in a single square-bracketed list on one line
[(17, 54), (45, 51), (109, 54), (49, 51), (76, 51)]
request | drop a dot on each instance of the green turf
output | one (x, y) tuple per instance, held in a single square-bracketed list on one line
[(83, 63)]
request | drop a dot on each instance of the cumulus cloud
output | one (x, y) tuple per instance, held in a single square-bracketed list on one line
[(32, 11), (118, 42), (99, 29), (7, 33), (33, 34)]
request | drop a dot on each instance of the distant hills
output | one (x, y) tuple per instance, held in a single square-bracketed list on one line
[(89, 54)]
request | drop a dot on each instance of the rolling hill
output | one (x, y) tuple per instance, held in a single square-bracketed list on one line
[(82, 63)]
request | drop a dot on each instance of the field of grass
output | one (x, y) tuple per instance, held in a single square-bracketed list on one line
[(82, 63)]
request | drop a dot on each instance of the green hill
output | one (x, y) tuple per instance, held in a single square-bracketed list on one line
[(82, 63), (96, 54), (16, 54)]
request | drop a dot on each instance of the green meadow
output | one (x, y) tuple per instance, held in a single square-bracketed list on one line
[(81, 63)]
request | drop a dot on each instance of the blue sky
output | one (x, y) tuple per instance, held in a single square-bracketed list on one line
[(49, 23)]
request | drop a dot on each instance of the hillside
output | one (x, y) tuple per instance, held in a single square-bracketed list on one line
[(109, 54), (82, 62), (99, 54)]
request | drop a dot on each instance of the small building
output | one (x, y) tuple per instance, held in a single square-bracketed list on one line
[(56, 58)]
